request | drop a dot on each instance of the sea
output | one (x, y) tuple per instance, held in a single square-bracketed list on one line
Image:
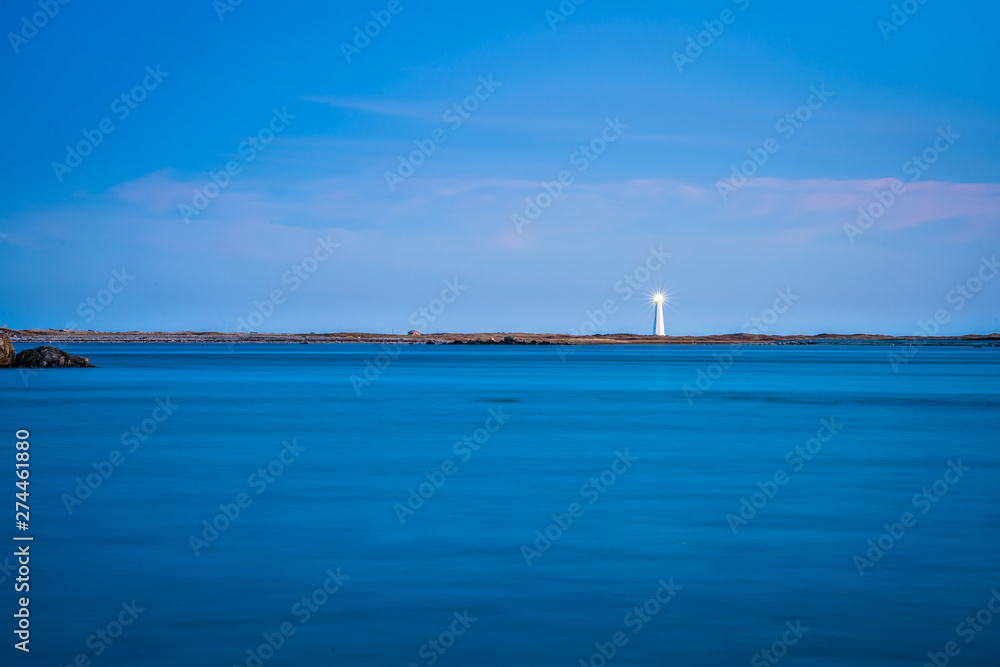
[(452, 505)]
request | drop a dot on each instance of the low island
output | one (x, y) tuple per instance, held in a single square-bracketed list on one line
[(62, 336)]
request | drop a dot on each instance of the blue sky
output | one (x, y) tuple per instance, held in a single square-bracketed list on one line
[(335, 125)]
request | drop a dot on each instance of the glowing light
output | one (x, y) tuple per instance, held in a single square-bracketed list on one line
[(659, 297)]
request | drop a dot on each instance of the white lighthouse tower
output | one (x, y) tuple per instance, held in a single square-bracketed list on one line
[(658, 299)]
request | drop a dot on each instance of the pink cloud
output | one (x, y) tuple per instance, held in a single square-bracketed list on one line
[(782, 210), (157, 192), (838, 202)]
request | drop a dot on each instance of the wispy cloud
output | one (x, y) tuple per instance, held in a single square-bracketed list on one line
[(782, 210), (380, 105)]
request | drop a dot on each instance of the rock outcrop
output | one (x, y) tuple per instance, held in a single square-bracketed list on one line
[(6, 350), (47, 356), (507, 340)]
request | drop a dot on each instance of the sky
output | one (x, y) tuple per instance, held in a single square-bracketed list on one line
[(780, 167)]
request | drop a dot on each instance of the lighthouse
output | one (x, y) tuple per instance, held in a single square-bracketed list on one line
[(658, 299)]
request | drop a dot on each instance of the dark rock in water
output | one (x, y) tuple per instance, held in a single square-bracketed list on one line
[(510, 340), (6, 350), (47, 356)]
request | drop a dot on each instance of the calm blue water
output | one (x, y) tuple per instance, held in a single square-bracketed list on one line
[(660, 517)]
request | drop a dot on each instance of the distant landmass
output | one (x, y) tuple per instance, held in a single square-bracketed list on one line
[(501, 338)]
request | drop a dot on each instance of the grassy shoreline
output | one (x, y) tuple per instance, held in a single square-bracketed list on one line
[(56, 336)]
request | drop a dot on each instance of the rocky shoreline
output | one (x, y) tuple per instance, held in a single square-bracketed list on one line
[(43, 356), (64, 336)]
